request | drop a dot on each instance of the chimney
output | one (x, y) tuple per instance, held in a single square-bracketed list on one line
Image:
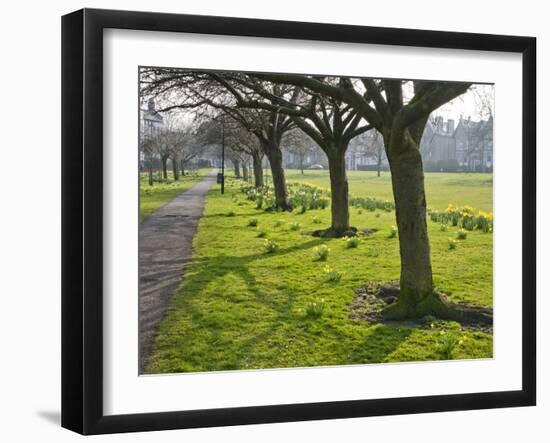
[(450, 126), (151, 104)]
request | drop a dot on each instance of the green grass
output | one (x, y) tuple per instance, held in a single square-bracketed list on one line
[(242, 308), (442, 188), (153, 197)]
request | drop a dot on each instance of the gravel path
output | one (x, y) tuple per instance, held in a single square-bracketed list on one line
[(165, 239)]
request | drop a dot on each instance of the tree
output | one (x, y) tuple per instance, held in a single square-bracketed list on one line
[(327, 120), (401, 121), (179, 89), (300, 144), (371, 146)]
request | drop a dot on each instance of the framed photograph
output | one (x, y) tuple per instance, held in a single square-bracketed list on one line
[(269, 221)]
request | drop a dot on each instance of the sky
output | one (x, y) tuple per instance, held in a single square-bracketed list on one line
[(477, 103)]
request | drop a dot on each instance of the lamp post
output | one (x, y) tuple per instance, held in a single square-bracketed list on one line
[(221, 177)]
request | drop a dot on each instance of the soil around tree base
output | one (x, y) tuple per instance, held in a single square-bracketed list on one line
[(379, 303)]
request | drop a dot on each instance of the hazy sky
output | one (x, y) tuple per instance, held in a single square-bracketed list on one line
[(477, 103)]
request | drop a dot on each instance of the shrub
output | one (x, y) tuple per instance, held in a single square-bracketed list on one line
[(295, 226), (315, 309), (270, 246), (331, 275), (461, 234), (393, 232), (352, 242), (452, 243), (253, 222), (320, 253)]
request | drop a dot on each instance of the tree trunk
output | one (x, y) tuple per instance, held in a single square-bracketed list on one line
[(236, 168), (150, 171), (339, 192), (258, 171), (275, 156), (302, 164), (165, 168), (175, 170), (182, 168), (245, 171), (417, 297), (379, 164)]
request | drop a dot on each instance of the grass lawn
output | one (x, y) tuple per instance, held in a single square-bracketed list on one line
[(442, 188), (153, 197), (242, 308)]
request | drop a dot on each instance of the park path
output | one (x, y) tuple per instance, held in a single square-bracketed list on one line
[(165, 240)]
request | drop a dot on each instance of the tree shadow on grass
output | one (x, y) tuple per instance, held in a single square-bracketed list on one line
[(193, 288), (380, 342)]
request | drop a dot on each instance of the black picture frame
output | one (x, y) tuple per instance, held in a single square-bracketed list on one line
[(82, 215)]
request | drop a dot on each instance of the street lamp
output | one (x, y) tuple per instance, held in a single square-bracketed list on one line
[(221, 177)]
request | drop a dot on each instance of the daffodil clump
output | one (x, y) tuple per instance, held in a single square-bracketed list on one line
[(465, 217), (331, 275), (448, 342), (461, 234), (320, 253), (452, 243), (270, 246), (371, 203), (300, 195), (351, 242), (315, 309), (393, 231), (295, 226)]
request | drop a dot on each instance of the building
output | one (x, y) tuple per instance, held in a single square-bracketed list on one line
[(150, 123), (150, 119), (468, 147), (474, 144)]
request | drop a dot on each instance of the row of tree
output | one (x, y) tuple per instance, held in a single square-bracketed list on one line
[(263, 109)]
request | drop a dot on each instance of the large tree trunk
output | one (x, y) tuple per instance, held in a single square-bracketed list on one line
[(339, 192), (379, 164), (258, 171), (175, 170), (165, 168), (182, 167), (245, 171), (236, 168), (275, 157), (417, 297)]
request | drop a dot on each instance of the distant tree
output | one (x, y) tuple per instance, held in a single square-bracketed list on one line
[(371, 145), (300, 144)]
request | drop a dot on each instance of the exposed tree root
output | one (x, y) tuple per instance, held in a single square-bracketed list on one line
[(383, 303), (352, 231)]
